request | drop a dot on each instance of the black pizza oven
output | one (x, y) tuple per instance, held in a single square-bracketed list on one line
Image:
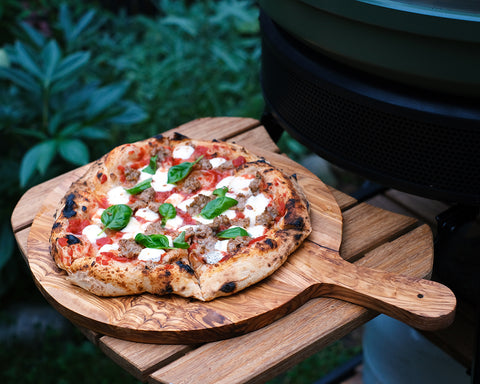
[(363, 86), (391, 91)]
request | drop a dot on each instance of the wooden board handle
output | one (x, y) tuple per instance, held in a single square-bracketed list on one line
[(420, 303)]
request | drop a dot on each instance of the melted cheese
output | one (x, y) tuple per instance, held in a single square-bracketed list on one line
[(174, 223), (255, 205), (159, 181), (93, 232), (118, 195), (256, 230), (151, 254), (217, 161), (236, 184), (222, 245), (108, 248), (147, 214), (213, 257), (133, 227), (183, 152)]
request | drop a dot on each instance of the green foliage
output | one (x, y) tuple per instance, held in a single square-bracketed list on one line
[(54, 111), (194, 59), (62, 358)]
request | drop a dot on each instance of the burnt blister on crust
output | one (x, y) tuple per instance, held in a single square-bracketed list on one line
[(70, 205), (228, 287), (292, 220), (179, 136), (185, 267), (71, 239)]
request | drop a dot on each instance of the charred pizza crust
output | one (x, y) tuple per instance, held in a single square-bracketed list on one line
[(184, 271)]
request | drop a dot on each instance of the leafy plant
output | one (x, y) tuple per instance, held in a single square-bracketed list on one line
[(193, 59), (53, 111)]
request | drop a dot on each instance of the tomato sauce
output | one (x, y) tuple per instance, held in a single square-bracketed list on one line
[(103, 241), (76, 226), (256, 239)]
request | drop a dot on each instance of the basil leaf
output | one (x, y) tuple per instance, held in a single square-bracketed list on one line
[(220, 192), (180, 242), (156, 241), (145, 184), (116, 217), (233, 232), (180, 171), (152, 166), (167, 211), (216, 207)]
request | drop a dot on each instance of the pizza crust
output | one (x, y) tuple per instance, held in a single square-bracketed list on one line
[(185, 276)]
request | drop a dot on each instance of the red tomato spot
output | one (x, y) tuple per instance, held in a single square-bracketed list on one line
[(187, 219), (104, 240), (103, 179), (239, 215), (210, 178), (76, 226), (121, 169), (200, 150), (160, 197), (103, 202), (238, 161)]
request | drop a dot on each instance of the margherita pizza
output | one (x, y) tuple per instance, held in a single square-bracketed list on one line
[(195, 218)]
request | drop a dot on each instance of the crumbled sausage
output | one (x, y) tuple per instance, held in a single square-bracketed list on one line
[(268, 217), (241, 200), (244, 223), (203, 231), (198, 203), (129, 248), (162, 153), (255, 183), (131, 174), (220, 223), (203, 164), (237, 243), (226, 165), (143, 199), (154, 228), (191, 184)]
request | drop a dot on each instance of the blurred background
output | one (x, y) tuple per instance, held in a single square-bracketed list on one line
[(76, 80)]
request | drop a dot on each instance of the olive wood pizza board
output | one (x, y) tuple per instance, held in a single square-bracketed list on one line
[(315, 269)]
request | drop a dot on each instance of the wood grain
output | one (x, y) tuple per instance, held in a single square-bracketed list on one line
[(261, 355), (175, 320)]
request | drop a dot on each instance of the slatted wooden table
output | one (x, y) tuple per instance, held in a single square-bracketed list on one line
[(372, 237)]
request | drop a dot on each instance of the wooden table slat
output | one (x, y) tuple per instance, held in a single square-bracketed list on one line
[(372, 237), (262, 354)]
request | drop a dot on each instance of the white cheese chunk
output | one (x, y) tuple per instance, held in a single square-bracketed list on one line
[(159, 181), (93, 232), (202, 220), (222, 245), (151, 254), (133, 227), (237, 184), (174, 223), (147, 214), (175, 199), (108, 248), (254, 206), (118, 195), (213, 257), (230, 213), (256, 231), (183, 152), (217, 161)]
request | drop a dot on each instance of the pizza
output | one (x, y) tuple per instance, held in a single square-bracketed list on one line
[(174, 215)]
